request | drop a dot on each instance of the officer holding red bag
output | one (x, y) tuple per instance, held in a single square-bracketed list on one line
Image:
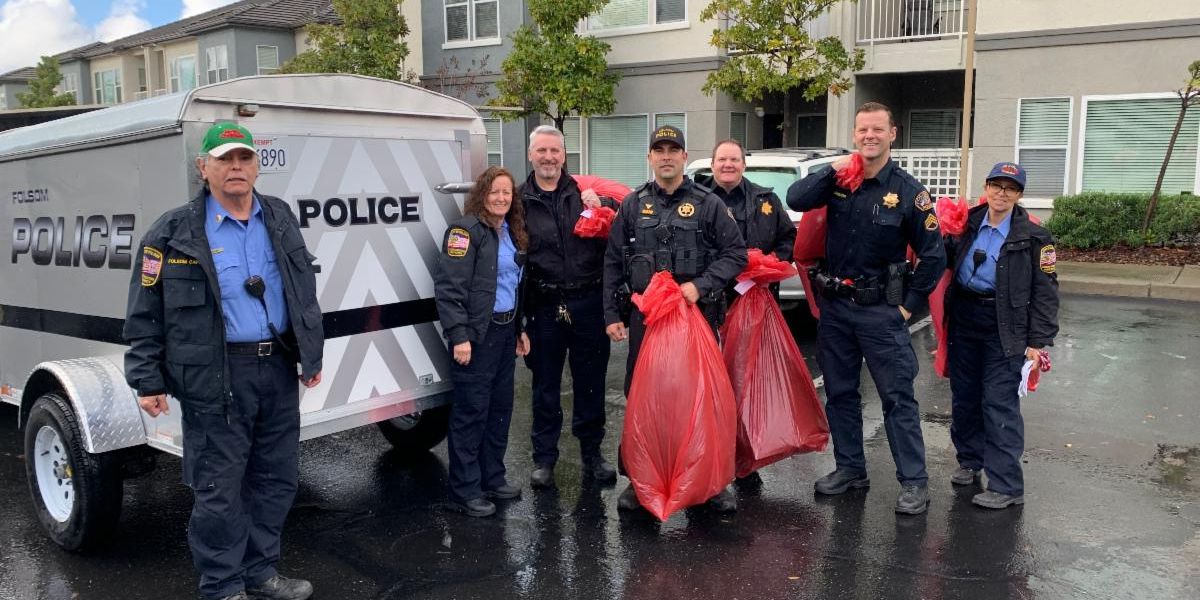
[(867, 295), (1001, 310), (669, 224)]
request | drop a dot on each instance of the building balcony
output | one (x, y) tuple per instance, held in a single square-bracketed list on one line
[(895, 21)]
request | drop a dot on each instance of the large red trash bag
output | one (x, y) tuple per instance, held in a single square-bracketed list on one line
[(779, 413), (680, 418), (603, 187), (808, 250), (595, 222)]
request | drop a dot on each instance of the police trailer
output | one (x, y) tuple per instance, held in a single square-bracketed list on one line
[(373, 169)]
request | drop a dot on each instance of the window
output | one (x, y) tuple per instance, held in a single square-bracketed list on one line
[(1043, 137), (737, 127), (70, 85), (468, 20), (676, 120), (3, 99), (934, 128), (810, 130), (107, 86), (634, 13), (141, 80), (183, 73), (574, 140), (495, 145), (617, 148), (1125, 140), (216, 64), (268, 59)]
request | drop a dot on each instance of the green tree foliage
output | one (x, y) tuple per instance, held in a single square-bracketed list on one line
[(1189, 94), (369, 41), (554, 71), (41, 92), (770, 52)]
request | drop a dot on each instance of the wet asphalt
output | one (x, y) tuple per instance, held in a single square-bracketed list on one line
[(1112, 469)]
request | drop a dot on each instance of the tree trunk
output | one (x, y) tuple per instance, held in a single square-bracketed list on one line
[(788, 128), (1184, 100), (560, 121)]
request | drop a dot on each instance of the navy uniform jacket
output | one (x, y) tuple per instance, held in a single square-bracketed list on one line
[(556, 255), (760, 216), (647, 205), (173, 322), (464, 284), (874, 226), (1026, 282)]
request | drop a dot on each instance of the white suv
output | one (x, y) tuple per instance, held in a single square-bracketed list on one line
[(777, 169)]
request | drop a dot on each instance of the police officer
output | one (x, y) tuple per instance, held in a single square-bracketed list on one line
[(477, 287), (1002, 309), (564, 310), (222, 306), (671, 224), (867, 297)]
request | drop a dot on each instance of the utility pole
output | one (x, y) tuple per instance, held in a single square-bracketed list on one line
[(968, 99)]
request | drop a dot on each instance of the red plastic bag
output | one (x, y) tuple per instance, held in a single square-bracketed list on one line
[(779, 413), (851, 176), (603, 187), (808, 249), (680, 419), (951, 215), (595, 222)]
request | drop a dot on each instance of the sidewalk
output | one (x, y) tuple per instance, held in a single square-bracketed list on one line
[(1132, 281)]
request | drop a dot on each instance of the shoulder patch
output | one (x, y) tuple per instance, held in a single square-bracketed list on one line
[(923, 201), (931, 223), (152, 259), (457, 242), (1047, 258)]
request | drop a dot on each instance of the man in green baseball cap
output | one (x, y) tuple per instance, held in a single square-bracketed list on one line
[(223, 137)]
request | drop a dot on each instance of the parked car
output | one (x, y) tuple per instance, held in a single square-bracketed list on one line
[(777, 168)]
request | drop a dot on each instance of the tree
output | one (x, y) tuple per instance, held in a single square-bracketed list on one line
[(465, 84), (554, 71), (369, 41), (771, 52), (41, 92), (1188, 95)]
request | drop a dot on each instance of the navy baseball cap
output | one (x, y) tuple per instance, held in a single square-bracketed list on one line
[(667, 133), (1008, 170)]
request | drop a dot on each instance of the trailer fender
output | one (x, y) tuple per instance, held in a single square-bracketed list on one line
[(106, 408)]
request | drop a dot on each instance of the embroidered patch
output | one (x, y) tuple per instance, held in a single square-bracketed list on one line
[(686, 209), (647, 209), (457, 242), (931, 223), (1047, 258), (766, 208), (218, 250), (839, 194), (891, 200), (182, 261), (923, 201), (151, 265)]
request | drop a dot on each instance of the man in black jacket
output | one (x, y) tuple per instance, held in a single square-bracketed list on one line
[(222, 306), (564, 310), (1001, 310)]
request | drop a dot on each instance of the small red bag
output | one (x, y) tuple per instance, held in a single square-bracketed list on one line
[(595, 222), (779, 412), (606, 188), (680, 418), (851, 175)]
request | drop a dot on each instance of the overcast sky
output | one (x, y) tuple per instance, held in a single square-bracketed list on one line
[(32, 28)]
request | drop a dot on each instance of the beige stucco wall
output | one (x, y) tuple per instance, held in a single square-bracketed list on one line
[(411, 11), (182, 48), (999, 16)]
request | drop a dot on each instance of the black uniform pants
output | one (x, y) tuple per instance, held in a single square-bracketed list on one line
[(552, 343), (986, 427), (243, 473), (846, 334), (481, 413)]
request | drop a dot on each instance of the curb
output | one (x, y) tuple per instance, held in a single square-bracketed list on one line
[(1130, 281)]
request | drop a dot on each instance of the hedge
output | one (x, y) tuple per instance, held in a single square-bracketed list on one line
[(1097, 220)]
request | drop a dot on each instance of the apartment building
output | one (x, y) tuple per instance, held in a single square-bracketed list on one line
[(11, 83)]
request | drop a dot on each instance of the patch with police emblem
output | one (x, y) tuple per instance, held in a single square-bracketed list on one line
[(923, 201), (891, 200), (931, 223), (647, 209), (152, 259), (1047, 258), (182, 261), (766, 208), (686, 209), (457, 242)]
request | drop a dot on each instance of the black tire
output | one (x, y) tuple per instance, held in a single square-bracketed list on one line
[(94, 478), (418, 432)]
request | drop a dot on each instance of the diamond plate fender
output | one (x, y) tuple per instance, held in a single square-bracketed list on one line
[(105, 406)]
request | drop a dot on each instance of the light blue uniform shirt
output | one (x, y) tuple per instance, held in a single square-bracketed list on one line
[(990, 240), (240, 250), (508, 274)]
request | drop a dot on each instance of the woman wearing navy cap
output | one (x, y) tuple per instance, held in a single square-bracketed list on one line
[(1001, 309)]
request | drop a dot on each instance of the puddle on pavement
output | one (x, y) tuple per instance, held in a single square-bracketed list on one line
[(1178, 466)]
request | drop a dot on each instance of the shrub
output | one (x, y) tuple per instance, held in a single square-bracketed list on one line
[(1097, 220)]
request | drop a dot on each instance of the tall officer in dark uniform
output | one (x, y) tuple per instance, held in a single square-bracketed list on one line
[(565, 312), (867, 297), (222, 306), (669, 224), (1001, 309)]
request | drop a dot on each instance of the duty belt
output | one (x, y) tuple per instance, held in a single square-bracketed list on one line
[(504, 318), (566, 288), (862, 291)]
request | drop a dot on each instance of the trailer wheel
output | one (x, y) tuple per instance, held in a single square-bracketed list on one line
[(419, 431), (76, 494)]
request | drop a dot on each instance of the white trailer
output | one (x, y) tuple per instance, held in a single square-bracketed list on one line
[(373, 169)]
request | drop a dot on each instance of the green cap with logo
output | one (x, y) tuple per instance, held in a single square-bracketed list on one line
[(223, 137)]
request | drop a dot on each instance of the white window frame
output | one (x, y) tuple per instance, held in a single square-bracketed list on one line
[(582, 144), (586, 141), (269, 70), (175, 75), (1045, 202), (66, 88), (654, 119), (472, 41), (3, 100), (908, 131), (651, 25), (208, 63), (1082, 133), (98, 90), (500, 139)]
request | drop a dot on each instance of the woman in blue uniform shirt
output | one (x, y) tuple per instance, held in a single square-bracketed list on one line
[(477, 289)]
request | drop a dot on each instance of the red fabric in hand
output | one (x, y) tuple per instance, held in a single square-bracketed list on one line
[(597, 225), (680, 419), (851, 175)]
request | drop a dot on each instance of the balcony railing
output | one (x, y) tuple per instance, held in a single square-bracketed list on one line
[(890, 21), (937, 168)]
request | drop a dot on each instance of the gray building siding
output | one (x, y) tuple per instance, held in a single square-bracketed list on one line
[(243, 56), (81, 70), (223, 37)]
